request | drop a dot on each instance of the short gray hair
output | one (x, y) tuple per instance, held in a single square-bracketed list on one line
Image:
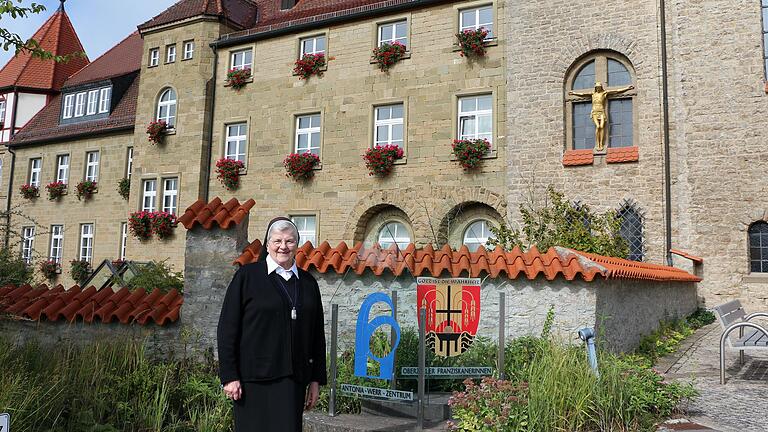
[(282, 226)]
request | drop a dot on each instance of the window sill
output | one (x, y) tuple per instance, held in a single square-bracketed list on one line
[(407, 55), (402, 161), (169, 131), (755, 278), (153, 66), (492, 154), (243, 171), (321, 71), (187, 59), (489, 43)]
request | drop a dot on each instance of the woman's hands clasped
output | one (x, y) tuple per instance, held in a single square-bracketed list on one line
[(233, 390)]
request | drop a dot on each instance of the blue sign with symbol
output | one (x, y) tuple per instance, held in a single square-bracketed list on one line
[(365, 330)]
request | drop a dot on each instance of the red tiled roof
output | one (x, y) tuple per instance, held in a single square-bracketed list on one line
[(91, 305), (623, 154), (121, 59), (241, 13), (224, 215), (694, 258), (563, 262), (578, 157), (44, 126), (56, 36)]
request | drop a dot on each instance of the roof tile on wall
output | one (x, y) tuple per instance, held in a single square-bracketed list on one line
[(623, 154), (89, 304), (224, 215), (578, 157)]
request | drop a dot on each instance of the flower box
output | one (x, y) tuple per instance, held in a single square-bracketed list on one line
[(380, 159), (85, 189), (156, 131), (79, 270), (140, 225), (228, 172), (56, 190), (29, 191), (50, 269), (309, 64), (472, 42), (163, 224), (237, 78), (124, 188), (300, 166), (388, 54), (469, 153)]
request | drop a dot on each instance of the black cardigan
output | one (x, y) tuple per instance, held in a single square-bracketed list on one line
[(258, 340)]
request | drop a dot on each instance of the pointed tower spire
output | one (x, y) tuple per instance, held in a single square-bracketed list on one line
[(61, 6)]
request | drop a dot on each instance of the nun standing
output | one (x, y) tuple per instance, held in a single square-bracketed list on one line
[(271, 338)]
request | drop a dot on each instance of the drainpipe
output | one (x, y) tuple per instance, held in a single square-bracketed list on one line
[(12, 171), (206, 174), (665, 107)]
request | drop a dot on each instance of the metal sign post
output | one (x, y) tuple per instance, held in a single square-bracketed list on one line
[(422, 366), (393, 339), (334, 355), (502, 343)]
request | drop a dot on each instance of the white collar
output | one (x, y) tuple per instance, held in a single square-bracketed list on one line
[(272, 265)]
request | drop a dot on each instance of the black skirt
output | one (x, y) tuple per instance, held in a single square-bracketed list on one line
[(270, 406)]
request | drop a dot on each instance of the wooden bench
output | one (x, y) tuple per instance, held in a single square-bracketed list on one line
[(732, 316)]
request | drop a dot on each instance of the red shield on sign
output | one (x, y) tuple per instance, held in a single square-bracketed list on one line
[(453, 313)]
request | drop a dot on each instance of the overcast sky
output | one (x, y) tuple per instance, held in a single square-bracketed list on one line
[(100, 24)]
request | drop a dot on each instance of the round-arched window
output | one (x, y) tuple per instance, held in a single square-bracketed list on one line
[(166, 107), (394, 233), (477, 234)]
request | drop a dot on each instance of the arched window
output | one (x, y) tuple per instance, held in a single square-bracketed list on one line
[(615, 74), (166, 107), (758, 247), (631, 230), (394, 233), (477, 234)]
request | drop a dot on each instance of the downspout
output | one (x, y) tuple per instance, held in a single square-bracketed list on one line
[(207, 170), (667, 163), (12, 171)]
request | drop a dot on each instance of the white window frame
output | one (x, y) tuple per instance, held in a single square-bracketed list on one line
[(476, 115), (239, 142), (403, 40), (92, 165), (304, 43), (2, 111), (35, 169), (80, 104), (123, 239), (306, 234), (69, 106), (477, 241), (478, 24), (154, 57), (129, 163), (57, 243), (390, 238), (189, 50), (171, 195), (105, 99), (308, 131), (169, 105), (149, 195), (389, 124), (27, 243), (93, 102), (86, 242), (170, 53), (62, 168), (238, 59)]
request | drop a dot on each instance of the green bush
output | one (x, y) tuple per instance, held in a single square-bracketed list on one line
[(157, 274), (667, 337), (13, 270)]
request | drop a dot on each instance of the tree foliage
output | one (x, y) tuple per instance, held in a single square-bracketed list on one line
[(157, 275), (9, 40), (13, 270), (558, 222)]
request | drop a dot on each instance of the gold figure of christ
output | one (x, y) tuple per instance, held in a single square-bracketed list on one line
[(599, 115)]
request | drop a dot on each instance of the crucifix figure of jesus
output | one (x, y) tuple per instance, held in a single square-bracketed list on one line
[(599, 115)]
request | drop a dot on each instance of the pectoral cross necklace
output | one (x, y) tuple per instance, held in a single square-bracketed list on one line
[(293, 300)]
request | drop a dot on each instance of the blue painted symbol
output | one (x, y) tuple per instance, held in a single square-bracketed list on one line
[(363, 333)]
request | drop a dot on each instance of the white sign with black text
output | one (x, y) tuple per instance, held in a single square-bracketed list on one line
[(5, 422), (377, 393)]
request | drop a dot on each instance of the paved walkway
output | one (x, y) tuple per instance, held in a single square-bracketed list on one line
[(739, 405)]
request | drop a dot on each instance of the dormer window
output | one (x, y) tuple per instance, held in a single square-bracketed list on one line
[(94, 102), (2, 111), (80, 105), (287, 4), (105, 98), (69, 105)]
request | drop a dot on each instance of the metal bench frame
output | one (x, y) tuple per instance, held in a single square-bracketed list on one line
[(732, 316)]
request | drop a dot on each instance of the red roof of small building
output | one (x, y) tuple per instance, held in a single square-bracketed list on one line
[(121, 59), (91, 305), (58, 36), (240, 13)]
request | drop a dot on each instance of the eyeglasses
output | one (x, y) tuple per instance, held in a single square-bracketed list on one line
[(288, 243)]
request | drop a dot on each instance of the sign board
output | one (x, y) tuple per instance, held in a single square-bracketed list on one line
[(365, 329), (453, 313), (376, 393), (448, 372), (5, 422)]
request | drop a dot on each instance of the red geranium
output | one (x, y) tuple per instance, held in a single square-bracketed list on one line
[(155, 131), (300, 166), (140, 225), (236, 78), (309, 64), (228, 171), (388, 54), (163, 224), (29, 191), (469, 153), (472, 42), (380, 159), (56, 190)]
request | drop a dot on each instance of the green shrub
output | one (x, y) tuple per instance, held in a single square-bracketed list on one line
[(493, 405), (13, 270), (157, 274), (666, 339)]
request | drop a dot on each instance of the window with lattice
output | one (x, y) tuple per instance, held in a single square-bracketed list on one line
[(758, 247), (631, 230)]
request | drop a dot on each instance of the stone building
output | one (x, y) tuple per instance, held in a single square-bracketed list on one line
[(684, 175)]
